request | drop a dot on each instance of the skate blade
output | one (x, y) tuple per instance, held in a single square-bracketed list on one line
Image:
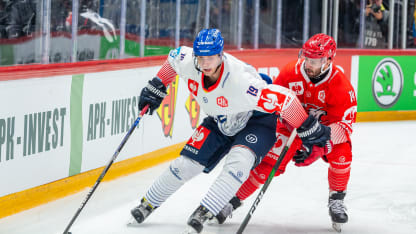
[(213, 221), (189, 230), (337, 226), (132, 223)]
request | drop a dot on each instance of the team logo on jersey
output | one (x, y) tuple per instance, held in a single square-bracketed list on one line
[(166, 111), (175, 52), (271, 101), (296, 87), (193, 87), (277, 147), (193, 109), (198, 138), (251, 138), (350, 114), (387, 83), (349, 117), (222, 101), (321, 96)]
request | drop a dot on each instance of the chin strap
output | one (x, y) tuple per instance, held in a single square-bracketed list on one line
[(321, 76), (322, 68)]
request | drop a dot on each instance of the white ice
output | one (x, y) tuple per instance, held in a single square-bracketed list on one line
[(381, 196)]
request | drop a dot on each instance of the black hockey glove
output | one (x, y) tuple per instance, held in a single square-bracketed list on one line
[(152, 95), (311, 132), (302, 158)]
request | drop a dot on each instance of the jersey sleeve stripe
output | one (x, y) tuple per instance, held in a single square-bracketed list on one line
[(167, 74), (294, 113), (338, 134)]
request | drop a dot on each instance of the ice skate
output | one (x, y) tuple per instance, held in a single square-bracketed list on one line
[(197, 219), (141, 212), (337, 209), (226, 211)]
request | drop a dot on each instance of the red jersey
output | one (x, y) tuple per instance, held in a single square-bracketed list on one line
[(331, 100)]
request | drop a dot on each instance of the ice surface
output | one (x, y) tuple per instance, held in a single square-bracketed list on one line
[(381, 196)]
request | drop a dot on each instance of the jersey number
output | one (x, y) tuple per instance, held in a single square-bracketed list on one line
[(253, 91)]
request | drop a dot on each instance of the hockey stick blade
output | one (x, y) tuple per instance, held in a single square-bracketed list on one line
[(267, 183)]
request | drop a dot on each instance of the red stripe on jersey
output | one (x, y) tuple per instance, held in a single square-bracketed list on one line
[(346, 125), (167, 74), (338, 134)]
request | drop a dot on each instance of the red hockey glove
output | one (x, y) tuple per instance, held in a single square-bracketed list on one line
[(303, 159)]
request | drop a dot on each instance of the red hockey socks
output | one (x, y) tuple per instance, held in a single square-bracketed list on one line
[(339, 167), (248, 187), (257, 177)]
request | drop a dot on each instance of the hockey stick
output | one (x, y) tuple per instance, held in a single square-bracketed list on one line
[(267, 183), (123, 142)]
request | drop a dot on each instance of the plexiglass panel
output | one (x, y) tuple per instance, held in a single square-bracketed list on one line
[(98, 30), (42, 31), (60, 47), (20, 32), (160, 25)]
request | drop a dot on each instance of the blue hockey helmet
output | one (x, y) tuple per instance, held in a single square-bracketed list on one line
[(208, 42)]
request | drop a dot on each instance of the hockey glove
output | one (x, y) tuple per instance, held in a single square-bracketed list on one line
[(152, 95), (303, 159), (312, 133)]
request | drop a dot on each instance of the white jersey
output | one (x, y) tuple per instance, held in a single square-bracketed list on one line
[(231, 99)]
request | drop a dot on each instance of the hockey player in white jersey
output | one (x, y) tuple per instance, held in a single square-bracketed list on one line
[(241, 110)]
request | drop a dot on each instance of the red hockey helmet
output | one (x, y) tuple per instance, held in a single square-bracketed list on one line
[(319, 46)]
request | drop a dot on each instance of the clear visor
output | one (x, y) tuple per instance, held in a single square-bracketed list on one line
[(312, 62), (316, 62)]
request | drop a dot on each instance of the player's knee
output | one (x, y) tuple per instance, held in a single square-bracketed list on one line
[(184, 168), (340, 157), (239, 162)]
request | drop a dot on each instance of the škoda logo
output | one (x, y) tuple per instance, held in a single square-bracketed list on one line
[(387, 82)]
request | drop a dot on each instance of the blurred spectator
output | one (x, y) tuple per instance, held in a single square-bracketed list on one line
[(414, 26), (349, 23), (4, 15), (220, 17), (86, 7), (376, 22), (59, 13), (112, 11), (22, 18)]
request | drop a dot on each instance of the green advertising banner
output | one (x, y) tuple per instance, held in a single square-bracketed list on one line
[(110, 49), (386, 83)]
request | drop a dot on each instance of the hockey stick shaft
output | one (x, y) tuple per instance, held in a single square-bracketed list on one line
[(123, 142), (267, 183)]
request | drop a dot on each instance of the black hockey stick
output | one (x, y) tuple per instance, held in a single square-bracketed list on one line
[(267, 183), (123, 142)]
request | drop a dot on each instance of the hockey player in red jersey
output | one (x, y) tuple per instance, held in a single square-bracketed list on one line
[(327, 94)]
